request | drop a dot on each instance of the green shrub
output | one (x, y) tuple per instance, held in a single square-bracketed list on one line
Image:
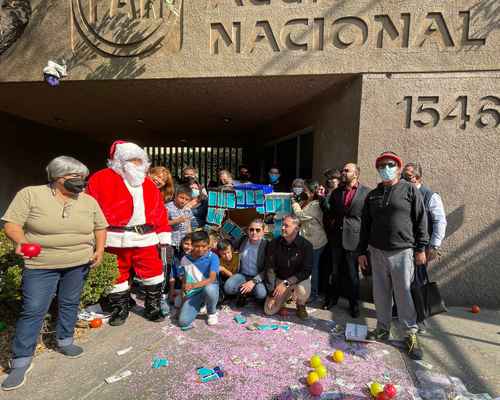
[(98, 284), (100, 280), (10, 271)]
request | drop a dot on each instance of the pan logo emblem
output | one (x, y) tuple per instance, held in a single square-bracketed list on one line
[(128, 28)]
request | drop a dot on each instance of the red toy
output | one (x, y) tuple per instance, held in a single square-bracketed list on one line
[(383, 396), (316, 389), (390, 390), (475, 309), (31, 250), (96, 323)]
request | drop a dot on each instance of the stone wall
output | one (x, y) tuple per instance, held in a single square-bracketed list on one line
[(208, 38), (451, 124)]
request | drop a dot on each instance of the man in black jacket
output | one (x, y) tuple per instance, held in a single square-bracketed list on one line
[(346, 208), (289, 261), (394, 231)]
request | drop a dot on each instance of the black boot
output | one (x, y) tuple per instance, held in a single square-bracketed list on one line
[(152, 308), (131, 302), (119, 303)]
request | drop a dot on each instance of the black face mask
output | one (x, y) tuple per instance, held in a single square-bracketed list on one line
[(74, 185)]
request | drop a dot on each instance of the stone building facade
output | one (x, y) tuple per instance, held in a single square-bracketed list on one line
[(419, 77)]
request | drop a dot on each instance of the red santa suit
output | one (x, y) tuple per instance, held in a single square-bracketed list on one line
[(136, 216)]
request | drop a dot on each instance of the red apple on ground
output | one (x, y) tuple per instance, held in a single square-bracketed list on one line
[(475, 309), (390, 390)]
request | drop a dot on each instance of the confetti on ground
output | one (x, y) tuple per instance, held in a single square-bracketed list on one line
[(265, 364), (119, 377), (124, 351)]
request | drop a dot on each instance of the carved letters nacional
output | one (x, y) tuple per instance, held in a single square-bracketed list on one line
[(342, 32)]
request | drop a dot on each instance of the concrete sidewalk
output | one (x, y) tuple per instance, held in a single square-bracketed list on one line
[(459, 344)]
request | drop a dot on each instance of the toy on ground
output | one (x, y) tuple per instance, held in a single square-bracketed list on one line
[(240, 319), (321, 371), (96, 323), (312, 377), (338, 356), (315, 361), (376, 388), (382, 396), (160, 362), (316, 389), (207, 374), (31, 250), (390, 390), (475, 309)]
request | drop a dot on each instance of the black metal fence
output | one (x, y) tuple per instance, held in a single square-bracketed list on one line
[(208, 160)]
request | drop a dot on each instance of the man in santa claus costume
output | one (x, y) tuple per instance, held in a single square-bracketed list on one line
[(138, 224)]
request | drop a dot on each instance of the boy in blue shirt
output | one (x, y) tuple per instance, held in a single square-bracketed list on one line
[(199, 272)]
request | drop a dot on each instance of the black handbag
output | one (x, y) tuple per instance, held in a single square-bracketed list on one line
[(426, 296)]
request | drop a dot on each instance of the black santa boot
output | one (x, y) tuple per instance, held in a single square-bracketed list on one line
[(152, 304), (119, 302)]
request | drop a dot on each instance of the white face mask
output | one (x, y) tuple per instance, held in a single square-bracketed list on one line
[(134, 174)]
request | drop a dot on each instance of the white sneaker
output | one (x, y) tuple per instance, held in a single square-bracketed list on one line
[(212, 319), (203, 310)]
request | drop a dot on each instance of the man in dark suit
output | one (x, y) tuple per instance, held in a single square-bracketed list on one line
[(346, 208)]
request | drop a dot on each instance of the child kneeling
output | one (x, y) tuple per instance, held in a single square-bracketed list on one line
[(200, 286)]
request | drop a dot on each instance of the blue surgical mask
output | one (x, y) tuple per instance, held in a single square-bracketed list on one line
[(195, 192), (388, 173), (274, 178)]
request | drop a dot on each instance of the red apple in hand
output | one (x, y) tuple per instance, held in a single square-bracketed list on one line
[(390, 390), (31, 250)]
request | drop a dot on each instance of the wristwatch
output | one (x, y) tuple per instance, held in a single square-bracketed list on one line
[(434, 248), (286, 283), (254, 280)]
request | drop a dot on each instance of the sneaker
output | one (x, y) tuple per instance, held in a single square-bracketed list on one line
[(203, 310), (212, 319), (71, 351), (413, 348), (17, 377), (302, 312), (378, 334)]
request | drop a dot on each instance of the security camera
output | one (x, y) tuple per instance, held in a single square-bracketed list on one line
[(54, 72)]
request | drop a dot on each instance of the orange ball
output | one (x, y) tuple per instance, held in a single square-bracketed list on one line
[(96, 323), (475, 309)]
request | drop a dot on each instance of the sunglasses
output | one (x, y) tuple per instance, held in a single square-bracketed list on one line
[(388, 164), (254, 230)]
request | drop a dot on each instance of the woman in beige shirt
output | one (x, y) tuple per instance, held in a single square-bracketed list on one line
[(308, 210), (71, 230)]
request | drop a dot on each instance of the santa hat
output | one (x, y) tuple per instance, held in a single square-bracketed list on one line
[(122, 151), (392, 156)]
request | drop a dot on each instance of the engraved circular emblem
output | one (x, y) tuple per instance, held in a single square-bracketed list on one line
[(124, 28)]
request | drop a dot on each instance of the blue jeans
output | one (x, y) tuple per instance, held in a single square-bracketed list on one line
[(191, 307), (315, 271), (39, 287), (232, 286)]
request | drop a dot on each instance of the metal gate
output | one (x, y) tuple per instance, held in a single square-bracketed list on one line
[(208, 160)]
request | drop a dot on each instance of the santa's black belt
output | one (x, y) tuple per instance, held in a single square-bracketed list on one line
[(140, 229)]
